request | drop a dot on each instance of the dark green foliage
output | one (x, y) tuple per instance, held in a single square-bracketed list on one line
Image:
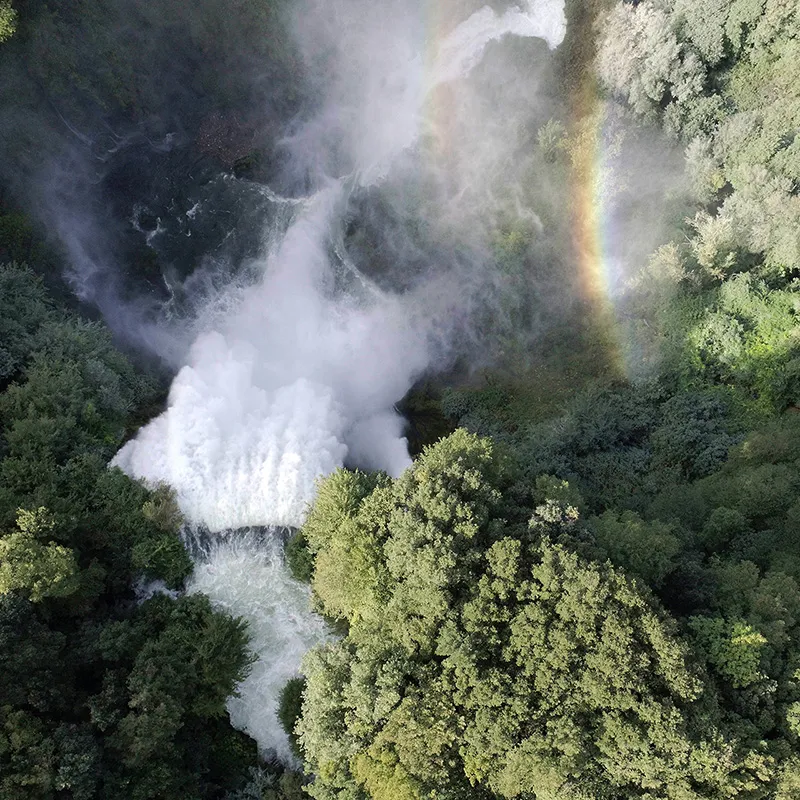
[(290, 709), (162, 557), (99, 697), (423, 412), (161, 677), (159, 553), (733, 648), (299, 558), (120, 68), (60, 422), (30, 653), (21, 243), (753, 495), (694, 435), (24, 308), (645, 549), (501, 664), (169, 668)]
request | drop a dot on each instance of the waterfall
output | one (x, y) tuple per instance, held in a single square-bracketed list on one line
[(300, 372), (245, 576)]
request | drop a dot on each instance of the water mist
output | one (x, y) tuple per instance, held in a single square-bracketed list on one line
[(297, 371)]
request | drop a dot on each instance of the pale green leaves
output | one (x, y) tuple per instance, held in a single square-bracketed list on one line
[(8, 20), (36, 569), (642, 58), (733, 647)]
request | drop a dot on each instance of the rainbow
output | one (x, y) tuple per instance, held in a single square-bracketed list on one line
[(592, 222), (591, 142)]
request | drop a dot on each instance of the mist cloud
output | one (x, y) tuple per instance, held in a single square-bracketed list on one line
[(303, 371), (270, 400)]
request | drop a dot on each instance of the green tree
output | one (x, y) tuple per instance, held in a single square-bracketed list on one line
[(646, 549), (24, 308), (35, 569), (345, 546), (501, 663), (290, 708), (160, 553), (34, 672), (170, 671), (8, 20), (100, 696), (732, 647), (644, 58), (299, 558), (26, 756)]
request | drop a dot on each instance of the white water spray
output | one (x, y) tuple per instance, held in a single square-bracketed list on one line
[(379, 72), (246, 577), (278, 395), (299, 375), (463, 49)]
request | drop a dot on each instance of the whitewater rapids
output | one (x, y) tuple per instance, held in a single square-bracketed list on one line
[(298, 376)]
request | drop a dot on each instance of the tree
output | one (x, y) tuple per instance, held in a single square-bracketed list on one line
[(24, 308), (290, 708), (732, 647), (8, 20), (34, 671), (171, 668), (643, 58), (348, 574), (160, 552), (35, 569), (693, 437), (646, 549), (26, 756), (100, 697), (499, 662)]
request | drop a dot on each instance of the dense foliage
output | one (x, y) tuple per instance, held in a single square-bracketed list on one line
[(493, 650), (8, 20), (723, 79), (589, 591), (602, 599), (102, 696), (141, 58)]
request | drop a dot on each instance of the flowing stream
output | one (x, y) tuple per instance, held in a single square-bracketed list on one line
[(295, 370)]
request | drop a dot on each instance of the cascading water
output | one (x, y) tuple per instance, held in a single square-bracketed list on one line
[(246, 576), (298, 371)]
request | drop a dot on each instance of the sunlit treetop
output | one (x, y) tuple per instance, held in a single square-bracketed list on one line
[(8, 20)]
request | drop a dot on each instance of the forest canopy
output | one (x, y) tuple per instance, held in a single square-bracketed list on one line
[(100, 695), (601, 601), (587, 584), (495, 649)]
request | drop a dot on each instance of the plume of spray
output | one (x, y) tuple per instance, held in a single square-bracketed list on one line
[(376, 78), (301, 371), (271, 399), (463, 49)]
